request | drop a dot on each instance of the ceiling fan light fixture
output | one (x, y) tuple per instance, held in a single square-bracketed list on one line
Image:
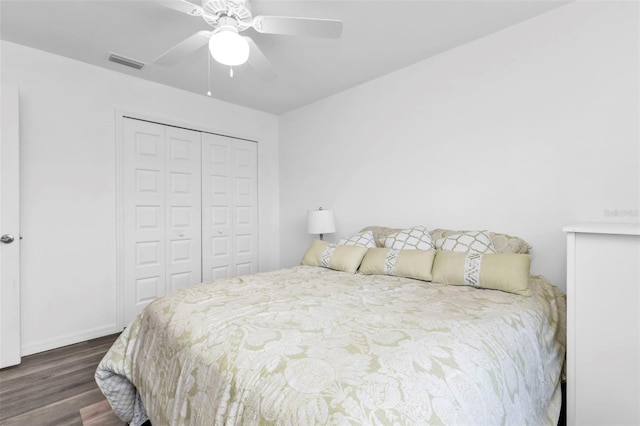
[(228, 47)]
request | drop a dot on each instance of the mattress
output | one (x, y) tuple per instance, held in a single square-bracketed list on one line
[(309, 345)]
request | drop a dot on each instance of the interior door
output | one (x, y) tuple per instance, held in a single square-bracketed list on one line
[(9, 229)]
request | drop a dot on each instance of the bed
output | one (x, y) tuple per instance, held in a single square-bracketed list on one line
[(315, 345)]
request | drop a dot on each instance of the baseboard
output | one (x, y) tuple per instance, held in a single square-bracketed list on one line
[(67, 339)]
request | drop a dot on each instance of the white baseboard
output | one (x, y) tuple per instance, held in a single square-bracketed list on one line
[(68, 339)]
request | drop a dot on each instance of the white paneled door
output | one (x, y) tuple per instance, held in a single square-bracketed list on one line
[(217, 205), (245, 208), (9, 230), (229, 207), (189, 210), (183, 198), (161, 209)]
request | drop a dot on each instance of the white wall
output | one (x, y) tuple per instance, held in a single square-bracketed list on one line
[(523, 131), (68, 186)]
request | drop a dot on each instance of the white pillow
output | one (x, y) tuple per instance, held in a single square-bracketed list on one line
[(361, 239), (467, 242), (416, 238)]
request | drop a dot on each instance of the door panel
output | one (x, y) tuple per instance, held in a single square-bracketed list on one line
[(183, 200), (245, 204), (162, 191), (144, 194), (217, 199), (230, 200), (9, 225)]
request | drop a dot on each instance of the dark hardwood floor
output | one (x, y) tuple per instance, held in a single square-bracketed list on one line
[(51, 387)]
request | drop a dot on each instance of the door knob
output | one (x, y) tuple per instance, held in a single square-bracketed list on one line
[(7, 239)]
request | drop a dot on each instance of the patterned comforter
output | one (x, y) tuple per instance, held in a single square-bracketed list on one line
[(309, 345)]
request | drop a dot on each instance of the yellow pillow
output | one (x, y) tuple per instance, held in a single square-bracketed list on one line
[(333, 256), (498, 271), (403, 263)]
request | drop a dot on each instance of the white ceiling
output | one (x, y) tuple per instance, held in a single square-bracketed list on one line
[(378, 37)]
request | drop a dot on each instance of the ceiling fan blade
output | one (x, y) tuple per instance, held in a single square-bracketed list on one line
[(182, 6), (259, 62), (287, 25), (184, 48)]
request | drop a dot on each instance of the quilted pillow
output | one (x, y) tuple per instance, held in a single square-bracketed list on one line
[(467, 241), (497, 271), (416, 238), (362, 239), (333, 256), (402, 263), (380, 233), (503, 243)]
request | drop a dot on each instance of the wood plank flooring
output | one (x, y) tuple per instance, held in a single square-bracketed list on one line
[(51, 387), (99, 414), (57, 388)]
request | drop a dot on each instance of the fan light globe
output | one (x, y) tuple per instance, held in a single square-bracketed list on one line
[(228, 47)]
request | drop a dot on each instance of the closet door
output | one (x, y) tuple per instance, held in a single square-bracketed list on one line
[(161, 229), (183, 208), (229, 207), (217, 201), (245, 207)]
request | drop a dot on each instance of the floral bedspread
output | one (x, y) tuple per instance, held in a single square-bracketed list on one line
[(309, 345)]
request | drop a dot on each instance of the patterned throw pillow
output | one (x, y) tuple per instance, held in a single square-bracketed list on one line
[(503, 243), (467, 241), (380, 233), (416, 238), (361, 239), (333, 256), (402, 263), (497, 271)]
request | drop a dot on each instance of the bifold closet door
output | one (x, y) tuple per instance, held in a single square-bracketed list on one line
[(162, 212), (230, 207)]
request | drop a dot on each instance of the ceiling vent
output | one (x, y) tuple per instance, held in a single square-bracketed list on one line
[(128, 62)]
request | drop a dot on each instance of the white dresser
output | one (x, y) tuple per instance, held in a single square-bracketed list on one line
[(603, 324)]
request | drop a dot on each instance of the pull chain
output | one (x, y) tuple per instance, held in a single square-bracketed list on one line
[(231, 72), (209, 74)]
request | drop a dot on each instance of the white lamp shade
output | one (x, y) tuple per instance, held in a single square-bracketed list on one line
[(228, 47), (320, 222)]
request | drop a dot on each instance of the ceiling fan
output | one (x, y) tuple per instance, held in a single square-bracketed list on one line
[(229, 18)]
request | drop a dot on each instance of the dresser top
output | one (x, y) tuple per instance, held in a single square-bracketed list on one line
[(604, 228)]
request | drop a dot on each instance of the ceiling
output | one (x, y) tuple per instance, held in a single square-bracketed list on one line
[(378, 37)]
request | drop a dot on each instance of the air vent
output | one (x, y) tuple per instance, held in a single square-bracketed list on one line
[(127, 62)]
